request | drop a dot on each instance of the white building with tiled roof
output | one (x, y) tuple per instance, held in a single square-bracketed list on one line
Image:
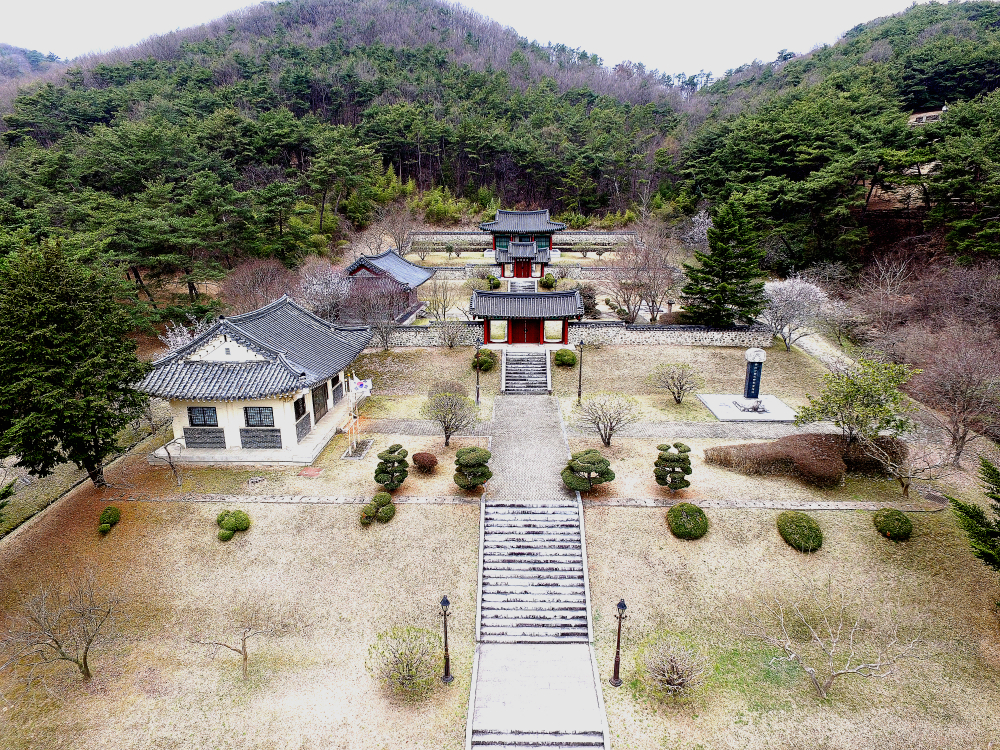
[(268, 386)]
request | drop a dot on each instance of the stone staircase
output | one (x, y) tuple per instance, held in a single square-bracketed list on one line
[(500, 740), (522, 286), (525, 373), (533, 577)]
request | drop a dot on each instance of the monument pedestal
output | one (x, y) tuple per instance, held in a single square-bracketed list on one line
[(733, 407)]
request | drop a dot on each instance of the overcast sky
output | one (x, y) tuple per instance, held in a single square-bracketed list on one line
[(673, 37)]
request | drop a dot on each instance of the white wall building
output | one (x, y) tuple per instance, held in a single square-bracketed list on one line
[(267, 386)]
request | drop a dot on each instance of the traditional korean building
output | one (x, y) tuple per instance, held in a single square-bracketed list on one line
[(526, 318), (402, 277), (268, 386), (522, 242)]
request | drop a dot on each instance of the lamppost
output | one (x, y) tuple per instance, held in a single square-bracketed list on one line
[(478, 349), (616, 680), (579, 384), (445, 614)]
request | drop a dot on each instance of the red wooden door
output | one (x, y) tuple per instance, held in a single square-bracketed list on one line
[(517, 331), (522, 269), (532, 332)]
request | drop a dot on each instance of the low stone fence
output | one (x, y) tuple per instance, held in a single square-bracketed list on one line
[(619, 332), (473, 270), (470, 333)]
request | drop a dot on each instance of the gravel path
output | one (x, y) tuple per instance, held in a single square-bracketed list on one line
[(422, 427), (307, 499), (721, 430), (918, 506)]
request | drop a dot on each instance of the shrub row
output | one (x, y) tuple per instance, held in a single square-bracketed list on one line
[(380, 509)]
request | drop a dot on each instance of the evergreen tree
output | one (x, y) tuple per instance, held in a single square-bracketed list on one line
[(587, 469), (471, 470), (392, 469), (67, 365), (983, 533), (725, 288), (671, 468)]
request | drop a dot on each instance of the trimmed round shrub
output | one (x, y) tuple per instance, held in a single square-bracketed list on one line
[(485, 361), (565, 358), (104, 528), (235, 520), (382, 499), (226, 534), (494, 282), (110, 516), (548, 281), (893, 524), (800, 531), (385, 513), (368, 514), (687, 521), (425, 462)]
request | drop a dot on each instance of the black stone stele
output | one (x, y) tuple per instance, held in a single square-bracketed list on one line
[(751, 389)]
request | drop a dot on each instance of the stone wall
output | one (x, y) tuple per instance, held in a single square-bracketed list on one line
[(470, 333), (599, 332), (618, 332)]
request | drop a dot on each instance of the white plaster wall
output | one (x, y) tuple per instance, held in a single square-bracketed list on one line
[(214, 350)]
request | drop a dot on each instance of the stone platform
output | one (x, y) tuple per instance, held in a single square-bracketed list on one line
[(724, 407)]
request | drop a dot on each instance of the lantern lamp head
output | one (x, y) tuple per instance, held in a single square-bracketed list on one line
[(621, 607), (445, 603)]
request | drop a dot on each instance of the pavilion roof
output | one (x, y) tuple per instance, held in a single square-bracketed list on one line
[(523, 251), (409, 275), (512, 305), (528, 222)]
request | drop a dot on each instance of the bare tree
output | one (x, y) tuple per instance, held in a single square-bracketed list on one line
[(792, 306), (320, 288), (829, 637), (963, 383), (375, 301), (54, 627), (177, 335), (626, 280), (451, 332), (838, 320), (694, 231), (251, 619), (422, 249), (672, 667), (607, 413), (443, 296), (677, 379), (452, 412), (255, 283), (921, 459), (881, 295), (397, 222), (172, 453), (659, 278)]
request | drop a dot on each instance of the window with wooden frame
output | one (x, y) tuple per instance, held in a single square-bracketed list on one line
[(498, 331), (258, 416), (553, 331), (202, 416), (300, 408)]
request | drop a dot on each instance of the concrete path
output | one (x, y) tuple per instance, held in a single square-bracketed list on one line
[(535, 683), (721, 430)]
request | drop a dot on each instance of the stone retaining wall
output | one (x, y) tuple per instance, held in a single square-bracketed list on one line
[(470, 333), (471, 271)]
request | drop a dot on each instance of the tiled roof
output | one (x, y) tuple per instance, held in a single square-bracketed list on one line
[(289, 340), (408, 274), (522, 221), (523, 251), (505, 305)]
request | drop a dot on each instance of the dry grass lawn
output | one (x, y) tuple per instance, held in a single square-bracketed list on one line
[(945, 699), (624, 369), (154, 689)]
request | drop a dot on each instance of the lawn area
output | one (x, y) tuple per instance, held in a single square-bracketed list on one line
[(623, 369), (401, 378), (947, 698), (309, 689)]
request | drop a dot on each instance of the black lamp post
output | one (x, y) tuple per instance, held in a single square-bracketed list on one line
[(616, 680), (579, 384), (445, 614), (478, 349)]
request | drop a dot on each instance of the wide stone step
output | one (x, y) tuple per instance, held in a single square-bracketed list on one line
[(530, 639), (536, 567), (527, 615), (567, 523), (561, 599), (507, 740), (555, 502)]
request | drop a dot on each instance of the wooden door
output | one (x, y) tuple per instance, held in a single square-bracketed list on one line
[(517, 331), (522, 269), (532, 331)]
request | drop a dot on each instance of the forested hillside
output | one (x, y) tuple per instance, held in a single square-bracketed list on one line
[(274, 130)]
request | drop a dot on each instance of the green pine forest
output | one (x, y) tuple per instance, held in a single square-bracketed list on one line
[(274, 131)]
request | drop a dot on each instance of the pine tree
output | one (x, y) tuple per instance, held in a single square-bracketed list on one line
[(392, 468), (587, 469), (67, 364), (725, 288), (671, 469), (471, 470), (983, 533)]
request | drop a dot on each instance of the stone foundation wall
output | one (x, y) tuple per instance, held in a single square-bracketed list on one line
[(617, 332), (470, 333)]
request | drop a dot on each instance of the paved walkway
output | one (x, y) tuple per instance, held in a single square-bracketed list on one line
[(534, 684), (721, 430), (306, 499)]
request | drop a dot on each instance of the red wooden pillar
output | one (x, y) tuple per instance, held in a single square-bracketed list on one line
[(565, 330), (486, 331), (510, 331)]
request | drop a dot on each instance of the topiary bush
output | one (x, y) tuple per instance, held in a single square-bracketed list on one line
[(493, 281), (231, 521), (893, 524), (368, 513), (382, 499), (381, 509), (108, 518), (587, 469), (800, 531), (565, 358), (386, 513), (425, 462), (470, 467), (671, 468), (392, 471), (687, 521), (548, 281)]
